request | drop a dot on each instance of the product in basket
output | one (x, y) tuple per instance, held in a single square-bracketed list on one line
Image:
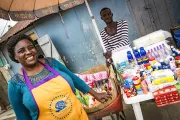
[(87, 100), (100, 86), (103, 86)]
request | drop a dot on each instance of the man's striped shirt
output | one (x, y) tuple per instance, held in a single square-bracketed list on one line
[(120, 39)]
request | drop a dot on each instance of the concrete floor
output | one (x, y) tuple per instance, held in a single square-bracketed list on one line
[(149, 109), (152, 112), (9, 115)]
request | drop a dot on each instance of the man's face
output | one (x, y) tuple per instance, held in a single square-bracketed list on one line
[(106, 16)]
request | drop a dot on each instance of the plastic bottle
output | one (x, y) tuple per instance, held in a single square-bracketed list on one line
[(172, 47), (137, 56), (143, 55), (149, 54), (152, 54), (178, 53), (163, 50), (162, 64), (172, 64), (130, 57), (174, 55), (160, 52), (157, 55), (174, 51), (166, 50), (144, 87)]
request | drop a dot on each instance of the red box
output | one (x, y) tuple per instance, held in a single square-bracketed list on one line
[(165, 96)]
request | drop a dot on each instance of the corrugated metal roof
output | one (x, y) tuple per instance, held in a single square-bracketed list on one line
[(16, 28)]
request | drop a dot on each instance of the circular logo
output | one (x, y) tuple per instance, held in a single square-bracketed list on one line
[(60, 107)]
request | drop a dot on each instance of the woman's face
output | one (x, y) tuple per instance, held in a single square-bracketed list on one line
[(26, 53)]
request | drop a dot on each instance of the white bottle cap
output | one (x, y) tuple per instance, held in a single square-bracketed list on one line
[(161, 60), (134, 48)]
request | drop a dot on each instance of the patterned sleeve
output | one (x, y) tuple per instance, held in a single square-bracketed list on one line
[(125, 31), (105, 42)]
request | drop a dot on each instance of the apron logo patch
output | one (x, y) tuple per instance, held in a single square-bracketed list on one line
[(60, 107)]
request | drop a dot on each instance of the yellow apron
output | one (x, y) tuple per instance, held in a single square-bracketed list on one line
[(55, 99)]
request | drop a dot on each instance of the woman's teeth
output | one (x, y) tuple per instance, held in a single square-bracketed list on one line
[(30, 58)]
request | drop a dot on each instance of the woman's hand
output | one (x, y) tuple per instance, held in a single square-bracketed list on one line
[(101, 97)]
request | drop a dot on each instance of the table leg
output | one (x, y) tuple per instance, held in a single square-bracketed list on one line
[(137, 111)]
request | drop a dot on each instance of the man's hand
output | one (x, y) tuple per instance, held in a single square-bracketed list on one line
[(107, 54)]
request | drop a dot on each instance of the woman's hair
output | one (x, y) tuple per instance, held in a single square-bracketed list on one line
[(12, 43)]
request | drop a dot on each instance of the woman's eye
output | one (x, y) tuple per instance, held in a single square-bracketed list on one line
[(21, 51), (31, 47)]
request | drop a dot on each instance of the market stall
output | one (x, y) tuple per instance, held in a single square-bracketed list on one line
[(149, 71), (101, 79)]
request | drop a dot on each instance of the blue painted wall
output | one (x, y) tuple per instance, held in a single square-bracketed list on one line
[(120, 12), (76, 38)]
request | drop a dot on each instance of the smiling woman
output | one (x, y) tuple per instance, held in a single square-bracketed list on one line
[(43, 88), (14, 42)]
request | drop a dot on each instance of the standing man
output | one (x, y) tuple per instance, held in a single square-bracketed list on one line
[(114, 35)]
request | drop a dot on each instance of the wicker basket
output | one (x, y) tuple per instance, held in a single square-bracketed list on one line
[(115, 91)]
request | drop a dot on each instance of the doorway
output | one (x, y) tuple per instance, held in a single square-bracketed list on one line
[(152, 15)]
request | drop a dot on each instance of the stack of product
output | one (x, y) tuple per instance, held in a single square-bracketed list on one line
[(150, 70), (166, 96)]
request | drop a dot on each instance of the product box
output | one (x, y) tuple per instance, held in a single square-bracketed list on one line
[(166, 96)]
